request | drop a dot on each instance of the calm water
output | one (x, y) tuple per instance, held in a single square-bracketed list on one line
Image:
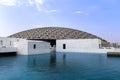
[(70, 66)]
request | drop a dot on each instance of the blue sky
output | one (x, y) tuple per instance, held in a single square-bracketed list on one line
[(99, 17)]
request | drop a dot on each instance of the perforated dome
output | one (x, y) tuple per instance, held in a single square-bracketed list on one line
[(54, 33)]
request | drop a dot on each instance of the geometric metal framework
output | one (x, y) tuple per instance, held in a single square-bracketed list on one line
[(54, 33)]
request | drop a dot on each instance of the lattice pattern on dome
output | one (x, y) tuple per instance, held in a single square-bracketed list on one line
[(54, 33)]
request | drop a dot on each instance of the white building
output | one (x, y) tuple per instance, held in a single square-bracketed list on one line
[(82, 45), (30, 47), (23, 46), (77, 45), (6, 45), (43, 40)]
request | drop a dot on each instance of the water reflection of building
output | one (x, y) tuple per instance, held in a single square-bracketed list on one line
[(53, 58), (64, 58), (39, 60)]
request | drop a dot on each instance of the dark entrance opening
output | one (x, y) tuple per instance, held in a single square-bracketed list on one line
[(51, 41)]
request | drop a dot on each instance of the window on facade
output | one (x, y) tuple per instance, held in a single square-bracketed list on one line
[(34, 46), (64, 46)]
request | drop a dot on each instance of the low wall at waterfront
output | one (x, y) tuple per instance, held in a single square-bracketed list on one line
[(91, 50), (8, 49)]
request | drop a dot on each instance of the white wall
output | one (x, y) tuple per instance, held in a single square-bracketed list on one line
[(41, 47), (22, 46), (9, 49), (7, 45), (7, 42), (83, 46), (26, 47), (79, 45)]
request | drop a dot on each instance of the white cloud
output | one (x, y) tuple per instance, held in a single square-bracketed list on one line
[(81, 12), (30, 2), (16, 2), (35, 2), (8, 2), (51, 11), (39, 4)]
